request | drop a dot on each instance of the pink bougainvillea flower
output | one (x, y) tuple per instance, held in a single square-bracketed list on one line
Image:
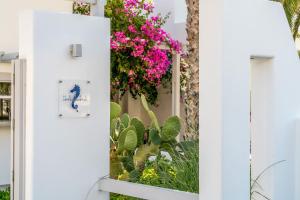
[(132, 29), (113, 44), (137, 48), (155, 18), (176, 45), (148, 7), (158, 64), (121, 37)]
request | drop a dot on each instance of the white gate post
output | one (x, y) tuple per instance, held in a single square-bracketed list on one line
[(67, 105), (297, 160)]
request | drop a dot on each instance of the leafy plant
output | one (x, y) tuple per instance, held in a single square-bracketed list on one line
[(82, 8), (125, 134), (139, 63), (151, 155), (5, 89), (5, 194), (179, 173), (132, 144), (159, 137), (292, 11)]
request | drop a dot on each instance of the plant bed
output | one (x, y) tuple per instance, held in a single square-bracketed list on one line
[(151, 155)]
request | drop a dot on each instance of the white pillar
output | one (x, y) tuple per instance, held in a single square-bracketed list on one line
[(97, 8), (229, 35), (297, 161), (65, 156)]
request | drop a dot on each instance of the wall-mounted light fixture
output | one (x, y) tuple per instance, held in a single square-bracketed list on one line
[(76, 50)]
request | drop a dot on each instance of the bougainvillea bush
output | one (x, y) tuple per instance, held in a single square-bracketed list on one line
[(80, 7), (140, 49)]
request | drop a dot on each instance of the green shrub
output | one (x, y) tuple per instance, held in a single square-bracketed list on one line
[(180, 173), (5, 194), (151, 155)]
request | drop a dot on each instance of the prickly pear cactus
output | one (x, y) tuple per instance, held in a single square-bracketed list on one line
[(140, 130), (115, 128), (154, 137), (127, 139), (125, 119), (170, 129), (115, 110), (154, 121)]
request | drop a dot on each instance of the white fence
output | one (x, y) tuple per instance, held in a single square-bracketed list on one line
[(144, 191)]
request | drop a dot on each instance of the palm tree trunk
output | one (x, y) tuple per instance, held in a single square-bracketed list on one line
[(192, 92)]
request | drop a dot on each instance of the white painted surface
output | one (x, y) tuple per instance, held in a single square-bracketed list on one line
[(229, 35), (297, 159), (144, 191), (64, 157), (4, 155), (9, 42), (176, 23), (261, 125), (9, 16), (298, 44)]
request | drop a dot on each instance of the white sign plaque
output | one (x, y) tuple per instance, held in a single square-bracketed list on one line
[(74, 98)]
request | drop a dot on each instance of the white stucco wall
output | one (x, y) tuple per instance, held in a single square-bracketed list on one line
[(177, 21), (65, 156), (298, 44), (9, 15), (231, 32), (9, 42)]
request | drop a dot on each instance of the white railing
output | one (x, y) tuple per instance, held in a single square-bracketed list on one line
[(144, 191)]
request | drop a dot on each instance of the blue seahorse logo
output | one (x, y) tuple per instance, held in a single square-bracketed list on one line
[(75, 90)]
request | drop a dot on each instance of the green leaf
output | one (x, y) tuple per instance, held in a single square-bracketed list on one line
[(144, 102), (125, 119), (154, 120), (170, 129), (115, 110), (115, 128), (140, 130), (154, 137), (127, 139)]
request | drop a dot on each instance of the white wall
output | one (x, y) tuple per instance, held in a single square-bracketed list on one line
[(65, 157), (4, 155), (9, 15), (177, 21), (232, 31), (297, 159), (9, 42)]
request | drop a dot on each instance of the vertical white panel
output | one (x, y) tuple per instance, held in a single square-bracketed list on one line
[(18, 130), (65, 156), (229, 35), (210, 99), (297, 160)]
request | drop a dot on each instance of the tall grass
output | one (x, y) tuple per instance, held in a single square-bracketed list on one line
[(181, 173)]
